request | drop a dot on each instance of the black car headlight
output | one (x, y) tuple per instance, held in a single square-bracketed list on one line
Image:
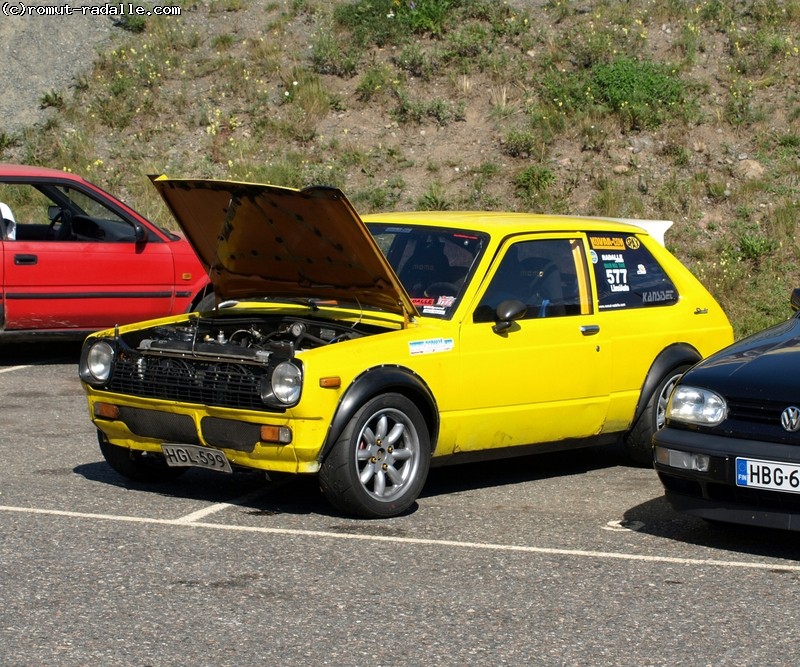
[(97, 362), (694, 405), (285, 384)]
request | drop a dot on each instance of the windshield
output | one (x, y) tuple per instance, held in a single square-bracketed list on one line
[(434, 264)]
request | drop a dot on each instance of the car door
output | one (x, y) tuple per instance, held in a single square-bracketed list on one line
[(76, 264), (545, 377)]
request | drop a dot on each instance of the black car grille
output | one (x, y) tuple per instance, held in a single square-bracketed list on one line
[(222, 384), (761, 412), (756, 420), (162, 425)]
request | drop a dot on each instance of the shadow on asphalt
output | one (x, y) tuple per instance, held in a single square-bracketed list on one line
[(502, 472), (40, 352), (300, 494), (656, 517), (283, 494)]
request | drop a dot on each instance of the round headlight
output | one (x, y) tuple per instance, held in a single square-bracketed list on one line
[(99, 361), (287, 381), (697, 406)]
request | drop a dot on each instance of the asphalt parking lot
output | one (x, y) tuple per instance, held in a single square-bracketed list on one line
[(564, 559)]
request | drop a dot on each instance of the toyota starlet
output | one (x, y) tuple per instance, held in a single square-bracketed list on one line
[(365, 351)]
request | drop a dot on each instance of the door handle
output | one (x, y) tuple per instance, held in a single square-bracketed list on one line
[(25, 260), (590, 329)]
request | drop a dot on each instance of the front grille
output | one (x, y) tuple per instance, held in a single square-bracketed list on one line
[(161, 425), (218, 383), (759, 412), (230, 434), (754, 419)]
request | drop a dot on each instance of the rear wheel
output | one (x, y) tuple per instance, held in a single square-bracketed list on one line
[(380, 463), (639, 440), (137, 466)]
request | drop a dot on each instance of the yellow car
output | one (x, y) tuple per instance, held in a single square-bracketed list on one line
[(364, 351)]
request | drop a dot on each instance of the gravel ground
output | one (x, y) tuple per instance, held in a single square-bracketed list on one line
[(41, 54)]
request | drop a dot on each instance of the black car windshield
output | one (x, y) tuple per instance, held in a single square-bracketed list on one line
[(434, 264)]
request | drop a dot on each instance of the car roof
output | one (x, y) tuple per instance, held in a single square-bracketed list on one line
[(505, 223), (28, 171)]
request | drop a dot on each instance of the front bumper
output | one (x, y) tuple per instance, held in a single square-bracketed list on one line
[(144, 425), (713, 494)]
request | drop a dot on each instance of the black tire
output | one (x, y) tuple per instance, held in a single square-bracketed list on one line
[(378, 466), (639, 440), (206, 303), (137, 466)]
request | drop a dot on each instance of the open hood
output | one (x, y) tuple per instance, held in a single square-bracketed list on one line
[(268, 241)]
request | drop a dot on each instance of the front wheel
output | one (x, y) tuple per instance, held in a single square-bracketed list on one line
[(378, 466), (137, 466), (639, 440), (205, 304)]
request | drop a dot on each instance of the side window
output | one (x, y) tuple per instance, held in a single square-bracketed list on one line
[(47, 212), (24, 212), (627, 274), (542, 274)]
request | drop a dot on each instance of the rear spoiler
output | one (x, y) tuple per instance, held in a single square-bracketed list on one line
[(656, 228)]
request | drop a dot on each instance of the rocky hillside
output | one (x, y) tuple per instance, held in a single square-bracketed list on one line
[(679, 109)]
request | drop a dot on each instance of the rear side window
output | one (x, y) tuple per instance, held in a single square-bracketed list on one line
[(627, 274)]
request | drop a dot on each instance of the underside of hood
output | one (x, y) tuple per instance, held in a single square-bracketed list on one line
[(267, 241)]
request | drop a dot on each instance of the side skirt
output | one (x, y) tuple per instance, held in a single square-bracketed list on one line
[(525, 450)]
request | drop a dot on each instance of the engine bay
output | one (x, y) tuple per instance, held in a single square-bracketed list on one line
[(257, 339)]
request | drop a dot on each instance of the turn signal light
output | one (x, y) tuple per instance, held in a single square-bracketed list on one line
[(106, 411), (682, 460), (281, 435)]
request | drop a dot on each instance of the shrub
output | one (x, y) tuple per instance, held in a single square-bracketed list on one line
[(434, 199), (375, 80), (641, 93), (533, 182)]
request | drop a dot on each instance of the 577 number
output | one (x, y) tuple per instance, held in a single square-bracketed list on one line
[(617, 276)]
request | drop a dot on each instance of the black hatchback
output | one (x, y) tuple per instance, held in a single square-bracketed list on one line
[(730, 450)]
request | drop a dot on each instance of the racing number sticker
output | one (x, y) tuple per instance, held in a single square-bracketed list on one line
[(616, 271)]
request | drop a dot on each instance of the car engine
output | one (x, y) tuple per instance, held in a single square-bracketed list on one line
[(244, 338)]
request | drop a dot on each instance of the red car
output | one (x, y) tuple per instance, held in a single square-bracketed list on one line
[(75, 259)]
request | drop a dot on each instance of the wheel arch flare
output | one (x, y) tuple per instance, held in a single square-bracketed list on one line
[(380, 380)]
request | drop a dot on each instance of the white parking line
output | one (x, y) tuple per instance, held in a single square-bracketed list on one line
[(218, 507), (12, 368), (483, 546)]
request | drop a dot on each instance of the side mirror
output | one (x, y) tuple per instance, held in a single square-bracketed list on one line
[(139, 233), (794, 300), (507, 312)]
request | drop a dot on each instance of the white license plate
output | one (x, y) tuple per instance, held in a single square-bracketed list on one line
[(194, 455), (768, 475)]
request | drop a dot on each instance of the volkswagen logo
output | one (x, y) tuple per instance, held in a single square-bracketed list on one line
[(790, 419)]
